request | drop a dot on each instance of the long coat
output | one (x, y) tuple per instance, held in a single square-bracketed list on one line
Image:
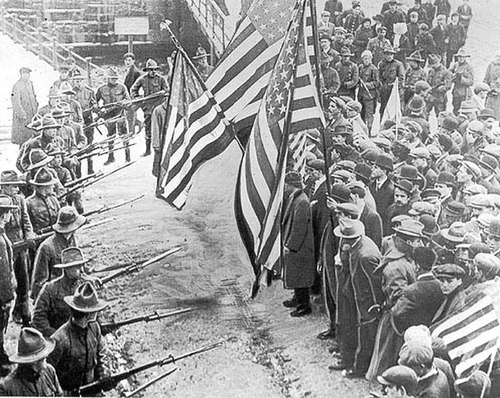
[(358, 289), (299, 267), (24, 107), (373, 225)]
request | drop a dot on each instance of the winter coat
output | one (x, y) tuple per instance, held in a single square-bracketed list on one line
[(21, 383), (24, 107), (412, 34), (299, 267), (373, 225), (457, 37), (426, 44), (440, 36), (383, 197)]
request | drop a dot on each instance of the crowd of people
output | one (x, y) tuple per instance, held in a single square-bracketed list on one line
[(396, 227)]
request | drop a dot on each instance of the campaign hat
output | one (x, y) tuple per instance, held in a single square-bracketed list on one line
[(6, 203), (389, 49), (415, 56), (38, 158), (10, 177), (151, 64), (112, 73), (32, 347), (349, 229), (71, 257), (85, 299), (48, 122), (54, 92), (77, 75), (59, 113), (43, 178), (68, 220)]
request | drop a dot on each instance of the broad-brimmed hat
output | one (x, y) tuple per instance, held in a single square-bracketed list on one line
[(404, 185), (415, 56), (400, 376), (349, 229), (6, 203), (43, 178), (31, 347), (411, 228), (10, 177), (38, 158), (85, 299), (448, 271), (65, 89), (456, 233), (486, 113), (150, 65), (68, 220), (35, 122), (48, 122), (71, 257), (345, 52)]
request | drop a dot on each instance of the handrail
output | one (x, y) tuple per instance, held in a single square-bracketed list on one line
[(45, 46)]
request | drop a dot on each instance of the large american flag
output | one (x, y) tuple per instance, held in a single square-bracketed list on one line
[(290, 103), (196, 132), (472, 334)]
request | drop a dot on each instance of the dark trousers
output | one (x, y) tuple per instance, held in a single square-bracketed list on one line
[(4, 322), (147, 126), (367, 111), (438, 107), (457, 102), (121, 128), (89, 133), (21, 306), (302, 297)]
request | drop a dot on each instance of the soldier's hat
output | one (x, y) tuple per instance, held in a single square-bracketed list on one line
[(150, 65), (10, 177), (68, 220), (388, 49), (54, 92), (43, 178), (77, 75), (448, 271), (54, 150), (36, 122), (66, 89), (38, 158), (415, 56), (201, 53), (6, 203), (48, 122), (349, 229), (462, 53), (345, 52), (85, 299), (411, 228), (112, 73), (32, 347), (404, 185), (71, 257)]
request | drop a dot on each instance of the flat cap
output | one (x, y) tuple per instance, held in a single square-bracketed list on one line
[(415, 354), (419, 208), (410, 227), (448, 271), (400, 376)]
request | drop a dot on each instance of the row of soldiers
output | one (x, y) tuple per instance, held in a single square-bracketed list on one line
[(402, 232)]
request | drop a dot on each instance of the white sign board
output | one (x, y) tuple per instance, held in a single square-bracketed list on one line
[(131, 25)]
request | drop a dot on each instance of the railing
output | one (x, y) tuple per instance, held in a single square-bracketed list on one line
[(212, 21), (47, 47)]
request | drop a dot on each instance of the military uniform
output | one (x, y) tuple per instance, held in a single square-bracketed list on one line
[(440, 81), (463, 80), (349, 77), (24, 382), (367, 93), (42, 210), (389, 72)]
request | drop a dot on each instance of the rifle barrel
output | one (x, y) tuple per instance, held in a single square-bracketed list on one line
[(22, 243), (145, 318), (150, 382)]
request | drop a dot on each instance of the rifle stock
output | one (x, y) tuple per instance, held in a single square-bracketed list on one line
[(110, 382)]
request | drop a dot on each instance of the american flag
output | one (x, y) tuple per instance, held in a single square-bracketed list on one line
[(472, 333), (259, 192), (182, 151), (299, 148)]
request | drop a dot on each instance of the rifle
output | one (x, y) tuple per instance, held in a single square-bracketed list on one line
[(150, 382), (103, 120), (97, 223), (22, 244), (155, 316), (108, 383), (83, 179), (116, 149), (91, 147), (137, 267), (106, 208), (88, 183)]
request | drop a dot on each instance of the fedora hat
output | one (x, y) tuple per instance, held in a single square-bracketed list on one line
[(10, 177), (43, 178), (71, 257), (48, 122), (68, 220), (349, 229), (410, 227), (31, 347), (404, 185), (455, 233), (38, 158), (35, 122), (85, 299), (6, 203), (150, 65)]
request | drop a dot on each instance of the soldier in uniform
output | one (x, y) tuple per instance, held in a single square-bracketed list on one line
[(33, 376), (348, 73), (19, 228), (463, 80), (74, 108), (110, 93), (86, 98), (378, 44), (389, 69), (51, 312), (151, 83), (202, 65), (55, 98), (440, 82), (414, 73), (79, 352), (64, 76), (49, 252), (368, 85), (7, 280)]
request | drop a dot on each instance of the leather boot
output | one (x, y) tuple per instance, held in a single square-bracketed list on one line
[(148, 148), (127, 155), (111, 159)]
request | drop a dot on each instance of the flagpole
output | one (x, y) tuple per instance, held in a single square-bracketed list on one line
[(326, 166), (166, 25), (490, 367)]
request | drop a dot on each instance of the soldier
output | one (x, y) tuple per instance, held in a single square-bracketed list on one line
[(49, 252), (378, 44), (492, 79), (389, 69), (79, 352), (55, 98), (440, 80), (42, 205), (24, 107), (73, 106), (348, 73), (202, 65), (51, 312), (19, 228), (7, 281), (414, 73), (64, 76), (32, 376), (86, 98), (150, 83), (463, 80), (368, 85), (465, 12), (110, 93), (456, 38)]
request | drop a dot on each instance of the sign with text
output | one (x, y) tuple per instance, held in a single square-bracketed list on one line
[(131, 25)]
